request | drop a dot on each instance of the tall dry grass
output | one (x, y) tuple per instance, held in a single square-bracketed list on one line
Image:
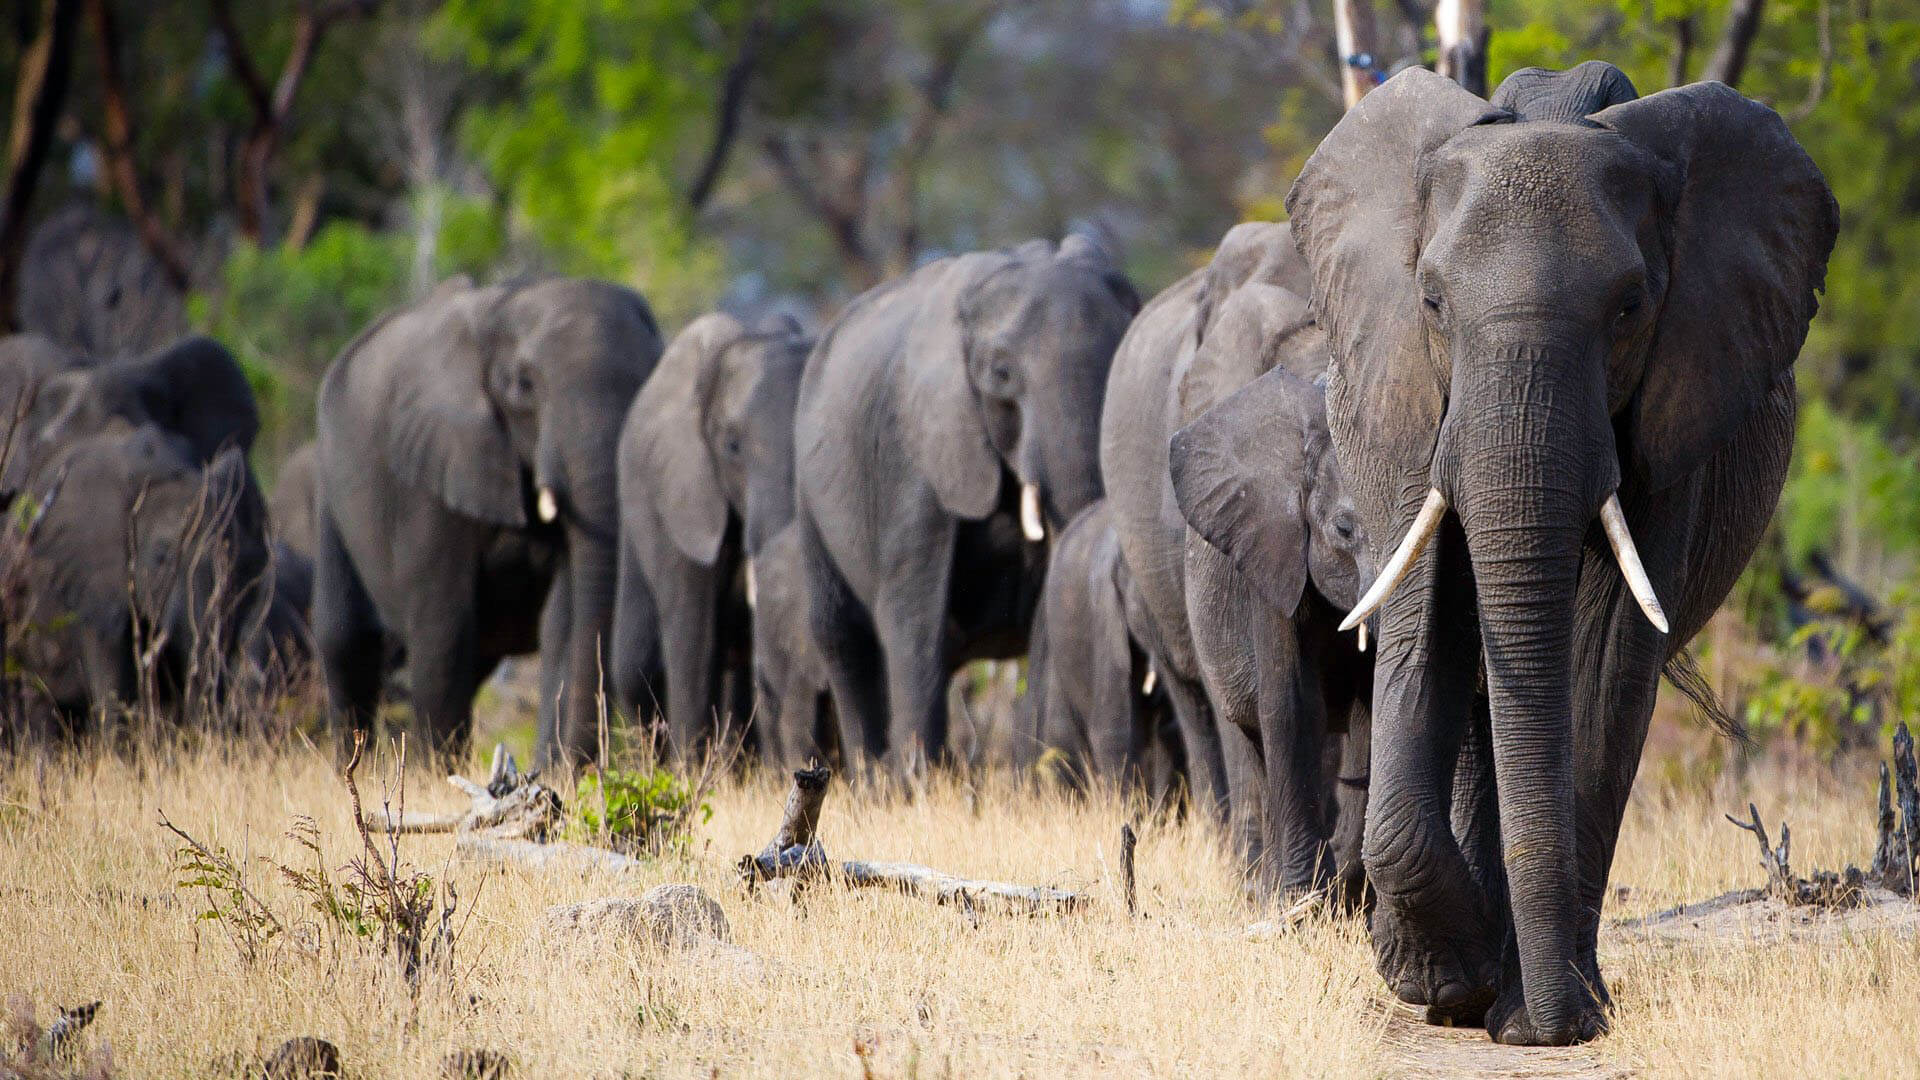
[(89, 909)]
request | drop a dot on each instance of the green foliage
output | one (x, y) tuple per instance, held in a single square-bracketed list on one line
[(1832, 686), (1850, 489), (649, 810)]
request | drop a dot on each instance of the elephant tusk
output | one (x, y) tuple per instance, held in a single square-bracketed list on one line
[(1030, 522), (1628, 556), (1363, 635), (547, 506), (1147, 684), (1424, 525), (751, 592)]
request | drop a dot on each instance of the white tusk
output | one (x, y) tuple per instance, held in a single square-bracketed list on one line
[(1624, 553), (1030, 523), (1147, 684), (1363, 635), (1422, 530), (750, 587), (547, 506)]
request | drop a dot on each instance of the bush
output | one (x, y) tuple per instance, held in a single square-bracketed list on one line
[(640, 811)]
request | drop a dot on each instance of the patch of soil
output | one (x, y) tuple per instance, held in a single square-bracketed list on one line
[(1421, 1051)]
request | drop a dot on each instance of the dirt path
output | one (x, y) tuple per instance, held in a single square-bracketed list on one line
[(1420, 1051)]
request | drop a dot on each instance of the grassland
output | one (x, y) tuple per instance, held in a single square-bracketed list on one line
[(855, 983)]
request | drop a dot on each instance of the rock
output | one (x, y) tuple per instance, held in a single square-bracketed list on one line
[(676, 916), (304, 1058), (476, 1065)]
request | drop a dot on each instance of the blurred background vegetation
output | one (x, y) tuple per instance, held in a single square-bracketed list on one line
[(284, 170)]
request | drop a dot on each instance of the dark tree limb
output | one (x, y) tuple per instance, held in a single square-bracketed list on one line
[(1127, 843), (935, 97), (1682, 51), (842, 211), (39, 92), (1822, 77), (272, 110), (733, 100), (118, 145), (1729, 59)]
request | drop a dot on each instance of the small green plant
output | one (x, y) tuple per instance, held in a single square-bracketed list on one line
[(648, 811)]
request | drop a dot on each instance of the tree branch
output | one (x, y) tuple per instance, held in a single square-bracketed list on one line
[(118, 116), (841, 216), (733, 99), (1824, 76), (39, 93), (1682, 51), (935, 96), (1730, 55)]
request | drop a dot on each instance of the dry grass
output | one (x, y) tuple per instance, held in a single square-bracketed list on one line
[(91, 911)]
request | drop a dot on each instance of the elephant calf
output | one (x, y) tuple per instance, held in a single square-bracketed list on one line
[(792, 700), (1090, 691), (142, 572), (1273, 555)]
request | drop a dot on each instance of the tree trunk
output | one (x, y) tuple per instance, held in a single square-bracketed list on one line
[(38, 95), (1463, 33), (1353, 31), (1730, 56)]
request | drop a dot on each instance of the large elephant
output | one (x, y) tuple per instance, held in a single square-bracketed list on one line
[(705, 479), (292, 502), (947, 421), (1199, 340), (466, 482), (141, 573), (1090, 694), (1563, 327), (1273, 557)]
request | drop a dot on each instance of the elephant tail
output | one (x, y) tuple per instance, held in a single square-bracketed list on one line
[(1683, 672)]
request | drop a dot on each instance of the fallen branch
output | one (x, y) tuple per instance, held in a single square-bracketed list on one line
[(1824, 889), (795, 853), (1893, 855)]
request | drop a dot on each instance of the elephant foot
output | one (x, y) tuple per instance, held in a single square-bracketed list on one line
[(1510, 1023), (1454, 979)]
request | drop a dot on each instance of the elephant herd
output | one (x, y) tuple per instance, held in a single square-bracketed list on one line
[(1511, 395)]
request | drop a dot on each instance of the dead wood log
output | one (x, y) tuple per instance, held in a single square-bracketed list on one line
[(1825, 889), (1127, 842), (1893, 855), (795, 853)]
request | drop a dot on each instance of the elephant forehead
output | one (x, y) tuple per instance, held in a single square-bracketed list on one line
[(1539, 168)]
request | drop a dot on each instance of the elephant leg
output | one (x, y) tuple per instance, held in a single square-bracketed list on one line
[(346, 631), (588, 578), (1200, 740), (1293, 726), (1435, 940), (1246, 812), (1350, 802), (553, 741), (1116, 726), (850, 652), (634, 659), (441, 655), (687, 599), (909, 615)]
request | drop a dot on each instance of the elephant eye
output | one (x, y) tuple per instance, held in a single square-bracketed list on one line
[(1002, 374), (1344, 526), (1628, 309)]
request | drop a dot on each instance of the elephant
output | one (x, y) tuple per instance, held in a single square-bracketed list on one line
[(193, 388), (291, 506), (466, 481), (1563, 325), (1090, 694), (705, 478), (1273, 561), (946, 425), (140, 572), (1197, 341), (792, 699)]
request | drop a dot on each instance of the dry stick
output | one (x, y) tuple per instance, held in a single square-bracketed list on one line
[(804, 858), (1127, 841)]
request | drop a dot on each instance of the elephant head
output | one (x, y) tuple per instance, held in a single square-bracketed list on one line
[(1008, 371), (714, 433), (193, 388), (1257, 478), (1541, 315)]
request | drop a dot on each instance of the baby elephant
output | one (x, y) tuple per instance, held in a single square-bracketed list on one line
[(792, 700), (1272, 556), (1091, 692)]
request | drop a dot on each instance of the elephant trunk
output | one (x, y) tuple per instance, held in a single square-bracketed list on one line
[(573, 466), (1526, 458)]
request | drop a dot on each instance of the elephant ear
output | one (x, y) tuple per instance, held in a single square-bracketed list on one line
[(1752, 223), (1357, 218), (1240, 476), (939, 411), (674, 453), (195, 389), (444, 432)]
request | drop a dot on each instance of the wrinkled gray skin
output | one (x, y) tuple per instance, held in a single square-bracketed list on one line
[(1086, 676), (1272, 565), (88, 283), (197, 541), (439, 427), (291, 505), (1198, 341), (923, 410), (706, 477), (792, 700), (1531, 304)]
